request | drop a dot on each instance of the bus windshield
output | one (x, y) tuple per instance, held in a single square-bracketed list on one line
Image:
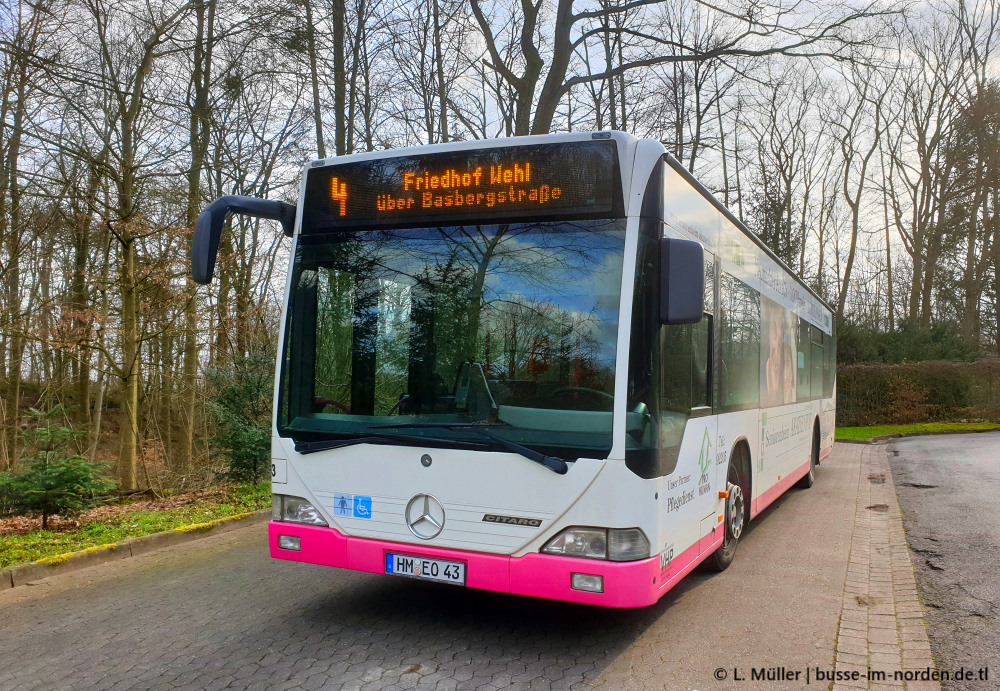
[(512, 326)]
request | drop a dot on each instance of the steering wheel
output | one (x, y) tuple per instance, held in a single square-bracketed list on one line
[(399, 404), (583, 389), (330, 401)]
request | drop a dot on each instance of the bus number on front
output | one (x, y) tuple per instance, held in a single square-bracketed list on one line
[(279, 471)]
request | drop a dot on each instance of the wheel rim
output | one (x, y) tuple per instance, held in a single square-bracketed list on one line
[(734, 510)]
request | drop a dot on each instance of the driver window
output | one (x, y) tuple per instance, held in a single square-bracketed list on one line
[(684, 376)]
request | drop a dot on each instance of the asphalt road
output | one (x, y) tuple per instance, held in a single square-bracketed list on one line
[(219, 613), (948, 488)]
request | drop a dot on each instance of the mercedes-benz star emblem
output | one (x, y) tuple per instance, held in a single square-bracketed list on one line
[(425, 516)]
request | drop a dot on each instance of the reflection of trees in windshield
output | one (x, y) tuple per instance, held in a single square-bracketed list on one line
[(397, 313), (519, 252), (334, 315), (532, 343)]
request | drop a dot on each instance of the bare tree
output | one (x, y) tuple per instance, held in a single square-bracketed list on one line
[(126, 61), (859, 127), (793, 29), (931, 88), (199, 138), (28, 29)]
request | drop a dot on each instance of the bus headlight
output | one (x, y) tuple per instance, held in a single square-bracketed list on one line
[(615, 544), (294, 510), (591, 543)]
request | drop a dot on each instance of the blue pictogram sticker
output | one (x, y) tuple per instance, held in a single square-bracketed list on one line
[(342, 504), (362, 507)]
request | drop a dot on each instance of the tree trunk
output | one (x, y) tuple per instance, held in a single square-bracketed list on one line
[(927, 289), (996, 286), (128, 453), (918, 273), (95, 434), (223, 349), (129, 318), (552, 88), (10, 215), (439, 60), (358, 68), (610, 81), (848, 267), (890, 307), (199, 137), (80, 293), (971, 287), (339, 76), (314, 78)]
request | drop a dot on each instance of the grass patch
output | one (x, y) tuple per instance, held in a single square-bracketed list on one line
[(54, 545), (866, 433)]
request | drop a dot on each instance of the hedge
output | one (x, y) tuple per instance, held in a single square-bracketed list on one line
[(918, 392)]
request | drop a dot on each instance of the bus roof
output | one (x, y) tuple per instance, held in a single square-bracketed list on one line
[(679, 168)]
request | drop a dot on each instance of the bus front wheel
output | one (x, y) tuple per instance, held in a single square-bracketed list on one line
[(737, 508)]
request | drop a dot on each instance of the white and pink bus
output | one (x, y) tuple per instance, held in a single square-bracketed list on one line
[(553, 366)]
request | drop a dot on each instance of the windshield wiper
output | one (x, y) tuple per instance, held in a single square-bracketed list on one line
[(556, 465), (306, 447)]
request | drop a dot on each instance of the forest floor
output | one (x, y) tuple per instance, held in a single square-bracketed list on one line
[(867, 433), (22, 539)]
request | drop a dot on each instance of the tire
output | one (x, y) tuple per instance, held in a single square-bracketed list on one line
[(809, 478), (737, 508)]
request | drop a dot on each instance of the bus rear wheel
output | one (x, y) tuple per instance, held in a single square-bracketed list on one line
[(807, 480), (737, 508)]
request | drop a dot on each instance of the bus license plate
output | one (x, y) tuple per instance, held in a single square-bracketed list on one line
[(422, 567)]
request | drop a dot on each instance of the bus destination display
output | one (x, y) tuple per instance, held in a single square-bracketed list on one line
[(539, 182)]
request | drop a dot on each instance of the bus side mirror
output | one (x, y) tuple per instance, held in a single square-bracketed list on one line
[(208, 229), (682, 281)]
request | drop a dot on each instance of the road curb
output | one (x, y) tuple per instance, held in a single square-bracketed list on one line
[(24, 574), (883, 438), (882, 629)]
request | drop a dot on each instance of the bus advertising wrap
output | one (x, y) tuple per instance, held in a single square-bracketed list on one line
[(540, 182)]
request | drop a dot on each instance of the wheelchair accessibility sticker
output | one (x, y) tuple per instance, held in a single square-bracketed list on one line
[(362, 507)]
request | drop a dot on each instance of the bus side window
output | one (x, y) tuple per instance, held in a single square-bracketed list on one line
[(817, 346), (803, 366), (829, 365), (739, 345)]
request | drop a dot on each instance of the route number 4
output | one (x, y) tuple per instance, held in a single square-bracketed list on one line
[(338, 193)]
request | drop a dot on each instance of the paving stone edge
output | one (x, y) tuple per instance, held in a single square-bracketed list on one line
[(882, 626), (62, 563)]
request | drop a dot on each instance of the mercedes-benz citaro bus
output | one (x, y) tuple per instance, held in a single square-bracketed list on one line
[(553, 366)]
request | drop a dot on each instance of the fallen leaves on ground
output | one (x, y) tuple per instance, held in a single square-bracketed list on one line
[(19, 525)]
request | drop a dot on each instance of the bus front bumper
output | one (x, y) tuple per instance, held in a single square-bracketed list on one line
[(626, 584)]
